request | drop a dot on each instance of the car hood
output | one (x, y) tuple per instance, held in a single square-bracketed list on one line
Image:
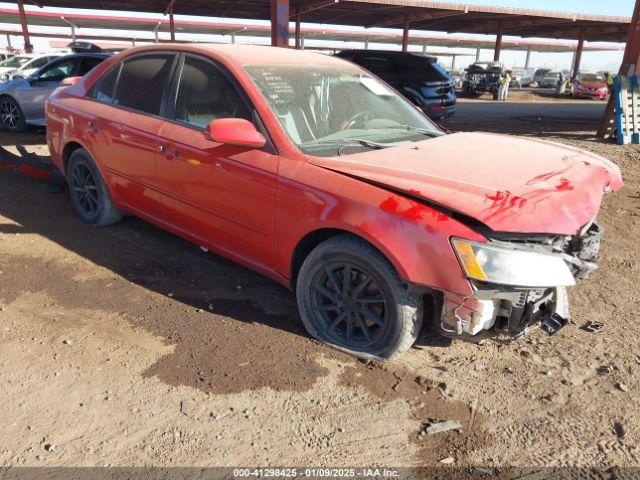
[(510, 184), (593, 84), (13, 84)]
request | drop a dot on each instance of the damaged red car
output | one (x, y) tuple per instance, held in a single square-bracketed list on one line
[(312, 171)]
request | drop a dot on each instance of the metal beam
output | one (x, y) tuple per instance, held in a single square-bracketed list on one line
[(528, 59), (315, 5), (498, 47), (28, 48), (155, 31), (72, 26), (578, 56), (632, 50), (280, 23), (417, 17)]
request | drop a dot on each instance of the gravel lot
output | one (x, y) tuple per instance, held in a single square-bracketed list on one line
[(129, 346)]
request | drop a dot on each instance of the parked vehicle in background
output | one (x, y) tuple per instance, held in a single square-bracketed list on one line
[(308, 169), (5, 56), (550, 80), (518, 77), (539, 74), (590, 85), (482, 77), (23, 65), (457, 76), (22, 100), (418, 77)]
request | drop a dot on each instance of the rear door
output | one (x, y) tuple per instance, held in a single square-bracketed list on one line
[(222, 195), (122, 123)]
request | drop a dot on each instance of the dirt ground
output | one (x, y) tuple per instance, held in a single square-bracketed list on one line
[(129, 346)]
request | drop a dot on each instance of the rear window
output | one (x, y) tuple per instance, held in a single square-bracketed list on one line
[(103, 89), (435, 73), (142, 82)]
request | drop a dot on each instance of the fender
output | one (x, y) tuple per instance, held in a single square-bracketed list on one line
[(418, 234)]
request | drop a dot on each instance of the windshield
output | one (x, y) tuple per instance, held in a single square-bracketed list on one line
[(329, 111), (590, 77), (15, 62)]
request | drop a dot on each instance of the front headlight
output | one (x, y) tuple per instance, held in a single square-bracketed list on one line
[(506, 266)]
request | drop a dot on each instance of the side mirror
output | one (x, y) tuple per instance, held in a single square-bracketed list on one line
[(234, 131), (67, 82)]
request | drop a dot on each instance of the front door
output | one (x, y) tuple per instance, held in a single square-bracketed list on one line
[(222, 195), (33, 95)]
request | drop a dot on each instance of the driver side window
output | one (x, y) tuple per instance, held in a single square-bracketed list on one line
[(58, 71), (205, 94)]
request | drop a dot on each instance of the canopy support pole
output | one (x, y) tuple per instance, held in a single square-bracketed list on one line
[(28, 48), (298, 32), (578, 56), (498, 47), (280, 23), (405, 37)]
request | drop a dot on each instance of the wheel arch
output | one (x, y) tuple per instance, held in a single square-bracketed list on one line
[(315, 237), (67, 150)]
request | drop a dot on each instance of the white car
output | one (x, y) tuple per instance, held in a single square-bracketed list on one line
[(23, 65)]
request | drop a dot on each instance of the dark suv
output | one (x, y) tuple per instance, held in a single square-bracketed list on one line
[(418, 77)]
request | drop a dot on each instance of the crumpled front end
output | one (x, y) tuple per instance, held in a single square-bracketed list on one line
[(510, 309)]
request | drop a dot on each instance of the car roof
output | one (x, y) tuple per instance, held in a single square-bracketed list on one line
[(248, 54), (88, 54)]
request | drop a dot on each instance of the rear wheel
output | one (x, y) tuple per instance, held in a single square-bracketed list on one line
[(11, 116), (351, 297), (88, 191)]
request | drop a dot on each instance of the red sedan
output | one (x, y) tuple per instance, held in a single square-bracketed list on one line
[(590, 85), (311, 171)]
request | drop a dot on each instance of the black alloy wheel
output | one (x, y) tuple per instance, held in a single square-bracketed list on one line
[(350, 303), (84, 189), (88, 191), (350, 296), (11, 115)]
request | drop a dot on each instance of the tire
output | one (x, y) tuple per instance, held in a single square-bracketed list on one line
[(88, 191), (334, 313), (11, 116)]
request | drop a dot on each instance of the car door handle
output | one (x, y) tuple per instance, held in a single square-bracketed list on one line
[(163, 149)]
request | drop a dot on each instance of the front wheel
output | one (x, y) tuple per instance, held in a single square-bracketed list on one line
[(11, 116), (351, 297)]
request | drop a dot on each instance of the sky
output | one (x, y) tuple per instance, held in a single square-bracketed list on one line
[(591, 61)]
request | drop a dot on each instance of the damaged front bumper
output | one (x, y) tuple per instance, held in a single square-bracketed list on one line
[(496, 311), (499, 309)]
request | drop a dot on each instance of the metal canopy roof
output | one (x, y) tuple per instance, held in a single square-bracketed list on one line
[(422, 15), (133, 24)]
